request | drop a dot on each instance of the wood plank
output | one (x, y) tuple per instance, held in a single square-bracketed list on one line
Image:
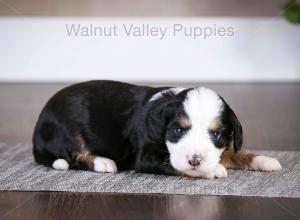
[(143, 8), (11, 201), (61, 205)]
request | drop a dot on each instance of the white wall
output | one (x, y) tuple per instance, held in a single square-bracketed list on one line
[(39, 49)]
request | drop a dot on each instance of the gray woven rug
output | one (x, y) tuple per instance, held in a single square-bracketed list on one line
[(18, 172)]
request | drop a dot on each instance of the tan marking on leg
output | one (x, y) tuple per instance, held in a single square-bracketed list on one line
[(80, 140), (85, 160), (239, 160), (83, 147)]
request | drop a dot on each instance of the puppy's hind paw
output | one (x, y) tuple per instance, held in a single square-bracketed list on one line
[(60, 164), (264, 163), (104, 165)]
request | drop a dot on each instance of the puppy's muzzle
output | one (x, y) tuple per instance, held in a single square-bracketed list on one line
[(195, 160)]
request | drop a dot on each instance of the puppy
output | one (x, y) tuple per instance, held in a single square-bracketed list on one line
[(105, 126)]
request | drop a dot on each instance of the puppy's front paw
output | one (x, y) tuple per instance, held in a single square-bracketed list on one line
[(104, 165), (264, 163), (219, 172)]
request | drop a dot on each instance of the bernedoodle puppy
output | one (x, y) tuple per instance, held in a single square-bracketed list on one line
[(108, 126)]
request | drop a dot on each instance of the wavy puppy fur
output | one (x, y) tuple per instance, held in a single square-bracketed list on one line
[(106, 126)]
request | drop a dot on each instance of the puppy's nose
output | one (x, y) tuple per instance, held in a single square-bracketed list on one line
[(195, 161)]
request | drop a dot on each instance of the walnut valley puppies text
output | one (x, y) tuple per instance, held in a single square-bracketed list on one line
[(149, 31)]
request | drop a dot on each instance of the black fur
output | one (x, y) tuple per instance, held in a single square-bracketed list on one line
[(232, 127), (115, 120)]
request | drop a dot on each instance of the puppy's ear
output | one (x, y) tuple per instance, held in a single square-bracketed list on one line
[(157, 119), (237, 132)]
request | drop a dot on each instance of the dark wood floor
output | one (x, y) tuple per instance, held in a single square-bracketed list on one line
[(45, 205), (269, 114)]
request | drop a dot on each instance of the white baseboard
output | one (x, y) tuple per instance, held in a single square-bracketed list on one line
[(39, 49)]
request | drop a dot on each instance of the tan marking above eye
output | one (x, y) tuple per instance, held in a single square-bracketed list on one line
[(215, 125), (184, 122)]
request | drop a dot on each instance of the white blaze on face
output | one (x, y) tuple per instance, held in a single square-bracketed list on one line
[(202, 106)]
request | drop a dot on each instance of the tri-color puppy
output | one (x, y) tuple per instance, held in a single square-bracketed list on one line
[(107, 126)]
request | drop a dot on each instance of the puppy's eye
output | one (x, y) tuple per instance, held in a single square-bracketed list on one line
[(179, 131), (215, 134)]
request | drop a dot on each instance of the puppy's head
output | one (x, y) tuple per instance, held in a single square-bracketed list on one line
[(197, 126)]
